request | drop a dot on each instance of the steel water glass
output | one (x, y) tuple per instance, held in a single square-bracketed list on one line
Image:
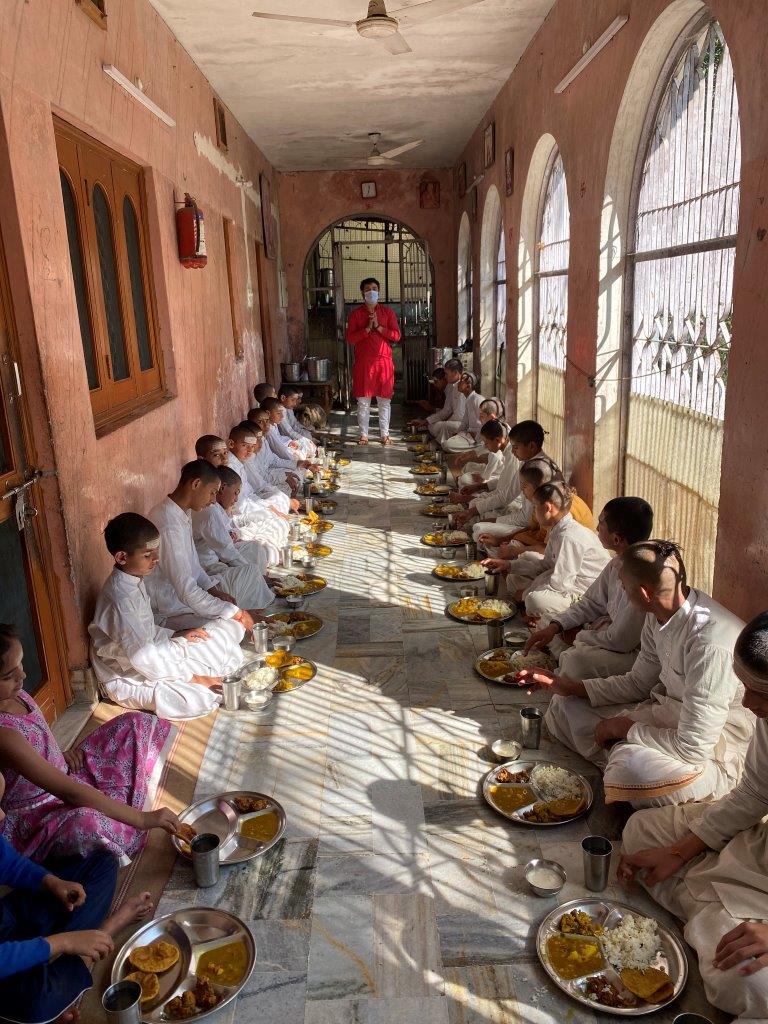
[(495, 635), (691, 1018), (286, 556), (260, 638), (122, 1003), (471, 550), (597, 852), (491, 584), (230, 688), (205, 859), (530, 727), (308, 503), (467, 591)]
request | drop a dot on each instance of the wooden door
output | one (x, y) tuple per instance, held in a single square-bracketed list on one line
[(27, 596)]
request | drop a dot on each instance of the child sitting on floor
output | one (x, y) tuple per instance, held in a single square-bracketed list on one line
[(289, 426), (54, 925), (139, 664), (265, 465), (277, 442)]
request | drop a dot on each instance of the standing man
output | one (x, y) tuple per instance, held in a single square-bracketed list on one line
[(373, 329)]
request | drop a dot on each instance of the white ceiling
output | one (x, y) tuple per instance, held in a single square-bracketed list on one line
[(309, 95)]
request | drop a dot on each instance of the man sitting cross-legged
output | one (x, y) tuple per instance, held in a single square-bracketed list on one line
[(142, 665), (708, 862), (672, 729), (604, 626), (573, 558)]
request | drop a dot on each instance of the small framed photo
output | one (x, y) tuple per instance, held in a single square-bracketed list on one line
[(429, 195), (490, 143), (462, 180), (509, 171), (368, 190)]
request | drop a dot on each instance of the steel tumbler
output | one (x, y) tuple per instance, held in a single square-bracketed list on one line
[(530, 727), (597, 852), (122, 1003), (205, 859)]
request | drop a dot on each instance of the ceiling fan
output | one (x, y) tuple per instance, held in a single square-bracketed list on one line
[(378, 24), (387, 159)]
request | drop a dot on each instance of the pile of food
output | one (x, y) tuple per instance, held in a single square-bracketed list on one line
[(299, 625), (470, 571), (301, 583), (319, 550), (419, 449), (160, 956), (453, 507), (445, 538), (433, 509), (293, 670), (477, 610), (317, 524), (425, 469), (342, 461), (522, 796), (194, 1001), (555, 783), (324, 506), (433, 488), (633, 943), (258, 678)]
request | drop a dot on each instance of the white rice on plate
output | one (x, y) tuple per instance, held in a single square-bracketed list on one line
[(473, 571), (633, 944), (497, 606), (455, 536), (260, 678), (536, 659), (555, 783)]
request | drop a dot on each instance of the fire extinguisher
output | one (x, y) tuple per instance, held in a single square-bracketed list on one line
[(190, 230)]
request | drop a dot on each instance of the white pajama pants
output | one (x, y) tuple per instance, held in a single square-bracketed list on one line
[(179, 699), (586, 661), (706, 921), (264, 528), (460, 443), (247, 585), (364, 415), (640, 775), (544, 602), (444, 429)]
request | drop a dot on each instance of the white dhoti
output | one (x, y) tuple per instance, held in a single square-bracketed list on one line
[(494, 529), (473, 474), (444, 429), (177, 698), (709, 909), (460, 442), (545, 602), (247, 585), (586, 661), (640, 775), (266, 529)]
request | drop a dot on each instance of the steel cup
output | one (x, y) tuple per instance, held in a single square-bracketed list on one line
[(205, 859), (470, 549), (260, 638), (286, 556), (295, 532), (495, 635), (230, 688), (308, 503), (491, 584), (283, 643), (530, 727), (467, 591), (451, 520), (597, 852), (122, 1003)]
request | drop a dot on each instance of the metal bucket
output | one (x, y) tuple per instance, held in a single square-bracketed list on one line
[(438, 357), (291, 372), (318, 370)]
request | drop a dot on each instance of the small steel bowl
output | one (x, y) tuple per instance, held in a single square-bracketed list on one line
[(283, 643), (506, 750), (552, 865), (295, 600)]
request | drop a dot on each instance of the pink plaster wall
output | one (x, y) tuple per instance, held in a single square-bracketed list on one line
[(51, 58), (312, 200), (582, 121)]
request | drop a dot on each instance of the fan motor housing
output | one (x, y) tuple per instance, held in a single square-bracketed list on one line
[(377, 27)]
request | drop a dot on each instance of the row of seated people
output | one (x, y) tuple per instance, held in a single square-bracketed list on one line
[(186, 584), (657, 683)]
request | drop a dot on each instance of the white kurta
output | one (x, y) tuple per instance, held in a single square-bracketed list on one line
[(288, 456), (139, 664), (446, 421), (504, 498), (691, 733), (260, 491), (290, 428), (468, 434), (720, 889), (265, 464), (488, 470), (253, 516), (212, 530)]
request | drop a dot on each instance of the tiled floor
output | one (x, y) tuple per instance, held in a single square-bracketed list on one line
[(397, 895)]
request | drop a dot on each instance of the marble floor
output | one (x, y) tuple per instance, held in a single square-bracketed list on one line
[(396, 896)]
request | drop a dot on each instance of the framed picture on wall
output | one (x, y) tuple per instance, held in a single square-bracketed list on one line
[(429, 195), (509, 171), (490, 143), (462, 180)]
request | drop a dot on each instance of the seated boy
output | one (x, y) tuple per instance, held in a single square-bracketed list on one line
[(447, 420), (266, 500), (436, 398), (218, 541), (260, 515), (604, 626), (55, 925), (261, 391), (277, 442), (296, 435), (573, 558), (470, 467), (279, 473), (143, 666), (184, 594)]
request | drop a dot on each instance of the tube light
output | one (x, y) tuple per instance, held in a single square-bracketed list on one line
[(117, 76), (616, 25)]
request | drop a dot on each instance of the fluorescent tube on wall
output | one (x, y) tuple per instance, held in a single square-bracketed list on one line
[(133, 90)]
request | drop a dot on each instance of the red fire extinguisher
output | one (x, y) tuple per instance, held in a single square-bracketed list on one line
[(190, 230)]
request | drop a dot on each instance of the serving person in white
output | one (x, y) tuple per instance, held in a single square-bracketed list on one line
[(142, 665), (708, 862), (674, 723)]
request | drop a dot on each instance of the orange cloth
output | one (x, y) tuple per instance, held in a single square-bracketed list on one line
[(534, 534)]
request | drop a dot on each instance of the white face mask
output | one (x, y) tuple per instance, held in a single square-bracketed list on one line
[(371, 298)]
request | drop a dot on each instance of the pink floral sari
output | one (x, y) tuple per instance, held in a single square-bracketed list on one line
[(118, 760)]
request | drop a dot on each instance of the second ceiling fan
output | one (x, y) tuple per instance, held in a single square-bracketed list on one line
[(379, 24)]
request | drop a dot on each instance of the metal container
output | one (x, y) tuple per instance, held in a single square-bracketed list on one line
[(438, 356), (597, 852), (495, 635), (308, 503), (294, 534), (291, 372), (306, 489), (557, 869), (260, 638), (283, 643), (230, 687), (205, 859), (530, 727), (468, 592), (492, 589), (471, 551), (443, 478), (318, 370), (122, 1003), (286, 556)]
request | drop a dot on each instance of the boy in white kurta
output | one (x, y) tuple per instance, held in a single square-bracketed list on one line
[(280, 473), (278, 443), (708, 863), (604, 626), (672, 729), (183, 593), (468, 435), (290, 427), (446, 421), (140, 664), (471, 466)]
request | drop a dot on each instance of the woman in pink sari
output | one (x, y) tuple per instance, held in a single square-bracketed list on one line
[(90, 798)]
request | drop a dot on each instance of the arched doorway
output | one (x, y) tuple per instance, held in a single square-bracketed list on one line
[(493, 296), (347, 251)]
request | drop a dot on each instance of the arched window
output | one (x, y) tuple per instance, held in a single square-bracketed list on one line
[(500, 307), (680, 276), (490, 335), (464, 281), (551, 322)]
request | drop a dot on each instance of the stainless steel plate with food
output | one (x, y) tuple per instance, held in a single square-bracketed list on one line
[(538, 794), (299, 625), (301, 584), (425, 469), (445, 539), (611, 957), (190, 964), (294, 671), (480, 611), (323, 506), (419, 449), (502, 664), (434, 509), (428, 489), (459, 572), (247, 824)]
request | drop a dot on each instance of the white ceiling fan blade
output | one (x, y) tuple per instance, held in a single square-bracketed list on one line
[(396, 44), (304, 21), (399, 150), (420, 13)]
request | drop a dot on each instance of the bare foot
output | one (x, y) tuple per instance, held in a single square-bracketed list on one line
[(134, 909)]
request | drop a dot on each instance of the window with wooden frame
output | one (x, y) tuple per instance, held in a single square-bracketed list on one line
[(220, 118), (95, 9), (105, 213), (234, 306)]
